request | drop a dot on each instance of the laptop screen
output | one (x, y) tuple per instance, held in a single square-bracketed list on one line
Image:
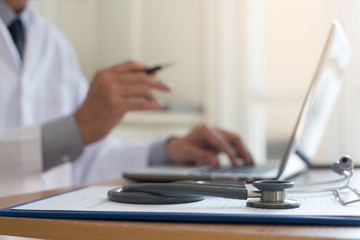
[(319, 103)]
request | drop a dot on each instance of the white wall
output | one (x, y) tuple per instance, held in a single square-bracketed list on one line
[(294, 35), (108, 32)]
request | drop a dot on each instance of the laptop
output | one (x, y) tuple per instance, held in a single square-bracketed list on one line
[(306, 137)]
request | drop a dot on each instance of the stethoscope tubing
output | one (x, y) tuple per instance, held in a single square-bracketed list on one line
[(189, 189), (321, 183), (310, 187)]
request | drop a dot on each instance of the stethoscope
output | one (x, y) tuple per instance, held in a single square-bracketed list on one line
[(271, 194)]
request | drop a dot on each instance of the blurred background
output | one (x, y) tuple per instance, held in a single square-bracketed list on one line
[(244, 65)]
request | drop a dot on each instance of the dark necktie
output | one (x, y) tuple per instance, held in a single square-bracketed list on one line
[(16, 29)]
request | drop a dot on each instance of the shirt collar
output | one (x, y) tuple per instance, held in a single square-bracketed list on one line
[(8, 15)]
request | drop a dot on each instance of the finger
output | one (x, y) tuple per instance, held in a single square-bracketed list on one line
[(105, 77), (217, 141), (137, 91), (239, 146), (139, 105), (129, 66), (143, 79), (139, 95)]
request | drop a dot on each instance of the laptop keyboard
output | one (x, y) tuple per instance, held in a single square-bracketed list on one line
[(236, 169)]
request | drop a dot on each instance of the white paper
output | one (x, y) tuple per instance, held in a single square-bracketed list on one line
[(94, 198)]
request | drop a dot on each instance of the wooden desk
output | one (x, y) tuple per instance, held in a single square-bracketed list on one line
[(95, 229)]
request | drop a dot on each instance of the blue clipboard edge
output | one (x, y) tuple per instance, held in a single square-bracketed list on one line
[(179, 217)]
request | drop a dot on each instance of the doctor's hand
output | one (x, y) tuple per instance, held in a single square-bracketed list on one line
[(113, 92), (203, 144)]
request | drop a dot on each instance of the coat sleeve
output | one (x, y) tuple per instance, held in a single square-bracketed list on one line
[(20, 155), (109, 158)]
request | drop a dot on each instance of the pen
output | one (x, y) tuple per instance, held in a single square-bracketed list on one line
[(157, 68)]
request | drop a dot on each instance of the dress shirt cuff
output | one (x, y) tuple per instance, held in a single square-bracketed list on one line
[(61, 142), (158, 154)]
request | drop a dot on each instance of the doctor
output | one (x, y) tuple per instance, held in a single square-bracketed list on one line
[(53, 126)]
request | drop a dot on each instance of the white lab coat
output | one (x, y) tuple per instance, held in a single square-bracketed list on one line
[(49, 85)]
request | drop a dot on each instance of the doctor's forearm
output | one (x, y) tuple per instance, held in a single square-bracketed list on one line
[(61, 142)]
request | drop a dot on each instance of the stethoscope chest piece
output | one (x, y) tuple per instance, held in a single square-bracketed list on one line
[(273, 195)]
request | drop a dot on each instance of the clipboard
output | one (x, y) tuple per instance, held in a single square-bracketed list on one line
[(30, 209)]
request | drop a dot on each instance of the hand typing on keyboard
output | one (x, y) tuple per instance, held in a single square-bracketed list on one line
[(203, 145)]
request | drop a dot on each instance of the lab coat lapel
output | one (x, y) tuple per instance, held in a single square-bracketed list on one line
[(8, 48), (35, 41)]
